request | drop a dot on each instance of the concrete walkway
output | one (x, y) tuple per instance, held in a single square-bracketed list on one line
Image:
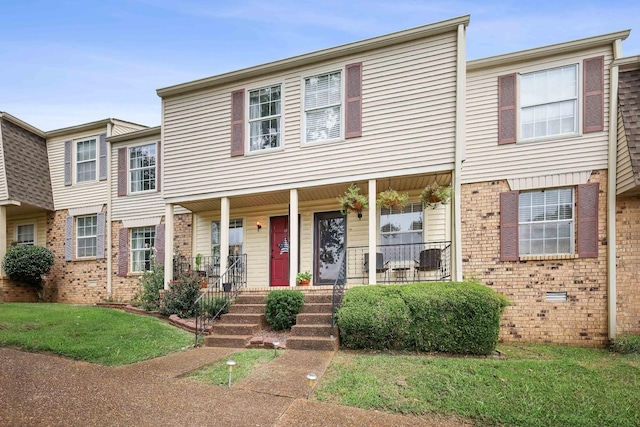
[(45, 390)]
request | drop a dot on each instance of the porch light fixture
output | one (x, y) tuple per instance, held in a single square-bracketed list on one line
[(276, 343), (311, 381), (230, 364), (259, 225)]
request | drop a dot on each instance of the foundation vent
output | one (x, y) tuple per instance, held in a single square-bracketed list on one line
[(556, 296)]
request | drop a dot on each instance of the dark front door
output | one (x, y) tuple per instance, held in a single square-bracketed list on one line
[(329, 250), (279, 244)]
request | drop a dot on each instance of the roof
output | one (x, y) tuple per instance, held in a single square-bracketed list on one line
[(87, 126), (629, 102), (318, 56), (21, 123), (143, 133)]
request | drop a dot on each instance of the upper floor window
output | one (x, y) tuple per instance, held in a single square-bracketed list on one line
[(26, 234), (142, 244), (142, 168), (546, 222), (323, 107), (86, 233), (86, 159), (549, 102), (264, 118)]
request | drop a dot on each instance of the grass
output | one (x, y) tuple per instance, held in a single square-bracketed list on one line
[(93, 334), (535, 386), (247, 361)]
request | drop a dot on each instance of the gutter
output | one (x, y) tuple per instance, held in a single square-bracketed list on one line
[(460, 141)]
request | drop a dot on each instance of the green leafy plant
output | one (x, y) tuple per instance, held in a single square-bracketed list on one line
[(151, 283), (392, 199), (352, 200), (282, 308), (198, 261), (27, 264), (214, 306), (626, 344), (181, 295), (435, 195), (303, 276)]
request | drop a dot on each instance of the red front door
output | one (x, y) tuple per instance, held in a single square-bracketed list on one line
[(279, 244)]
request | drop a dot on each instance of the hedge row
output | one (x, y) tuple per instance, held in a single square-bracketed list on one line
[(460, 318)]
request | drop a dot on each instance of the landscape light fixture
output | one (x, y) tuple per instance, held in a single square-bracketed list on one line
[(230, 364), (311, 381), (276, 343)]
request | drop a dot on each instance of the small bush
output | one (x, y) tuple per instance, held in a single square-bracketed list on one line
[(214, 306), (151, 283), (27, 264), (626, 344), (461, 318), (282, 308), (181, 295)]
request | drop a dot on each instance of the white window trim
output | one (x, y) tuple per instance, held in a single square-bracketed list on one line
[(579, 106), (74, 162), (35, 232), (303, 110), (244, 233), (247, 112), (132, 251), (77, 236), (129, 147)]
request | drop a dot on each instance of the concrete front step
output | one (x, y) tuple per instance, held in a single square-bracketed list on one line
[(244, 318), (318, 297), (313, 330), (251, 298), (236, 341), (247, 308), (312, 343), (236, 329), (316, 307), (313, 319)]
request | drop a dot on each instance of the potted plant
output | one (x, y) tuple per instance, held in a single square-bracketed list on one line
[(392, 199), (353, 201), (435, 194), (303, 278)]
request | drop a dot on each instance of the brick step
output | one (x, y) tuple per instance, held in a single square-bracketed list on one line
[(312, 331), (250, 298), (313, 343), (247, 308), (318, 297), (313, 319), (244, 318), (316, 307), (235, 341), (236, 329)]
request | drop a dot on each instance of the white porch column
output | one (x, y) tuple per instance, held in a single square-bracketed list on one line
[(168, 244), (373, 231), (224, 234), (294, 233), (460, 154)]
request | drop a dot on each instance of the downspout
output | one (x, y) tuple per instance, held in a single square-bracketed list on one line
[(611, 191), (461, 84), (109, 205)]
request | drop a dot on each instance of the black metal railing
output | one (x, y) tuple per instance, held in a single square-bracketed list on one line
[(403, 263), (207, 267), (216, 298), (338, 290)]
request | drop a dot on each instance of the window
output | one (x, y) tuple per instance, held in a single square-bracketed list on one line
[(25, 234), (401, 227), (322, 107), (264, 118), (142, 244), (236, 236), (86, 154), (546, 222), (86, 233), (549, 102), (142, 168)]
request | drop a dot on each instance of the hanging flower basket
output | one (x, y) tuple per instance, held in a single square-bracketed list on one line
[(352, 200), (392, 199), (435, 195)]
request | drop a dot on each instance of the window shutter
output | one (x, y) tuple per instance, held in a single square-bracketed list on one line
[(509, 226), (67, 163), (68, 238), (100, 227), (507, 124), (122, 171), (354, 101), (588, 220), (103, 157), (593, 96), (123, 252), (158, 167), (237, 123), (159, 242)]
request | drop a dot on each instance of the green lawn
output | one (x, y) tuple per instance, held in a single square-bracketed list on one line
[(94, 334), (247, 361), (534, 386)]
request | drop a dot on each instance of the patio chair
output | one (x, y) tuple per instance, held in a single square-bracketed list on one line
[(430, 260), (381, 266)]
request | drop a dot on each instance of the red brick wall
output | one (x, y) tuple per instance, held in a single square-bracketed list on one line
[(581, 320), (628, 265)]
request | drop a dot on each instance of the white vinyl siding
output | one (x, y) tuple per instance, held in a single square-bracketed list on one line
[(40, 224), (86, 233), (264, 118), (142, 244), (86, 159), (408, 122), (142, 168), (486, 160), (625, 179), (546, 222), (323, 107), (26, 234)]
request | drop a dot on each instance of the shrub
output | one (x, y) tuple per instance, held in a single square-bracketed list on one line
[(282, 308), (212, 306), (151, 283), (181, 295), (462, 318), (626, 344), (27, 264)]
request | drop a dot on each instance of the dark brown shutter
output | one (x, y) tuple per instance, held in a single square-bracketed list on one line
[(159, 244), (588, 220), (593, 96), (123, 252), (158, 167), (122, 171), (237, 123), (353, 113), (507, 124), (509, 226)]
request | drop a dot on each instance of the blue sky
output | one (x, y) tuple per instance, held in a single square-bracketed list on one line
[(65, 62)]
